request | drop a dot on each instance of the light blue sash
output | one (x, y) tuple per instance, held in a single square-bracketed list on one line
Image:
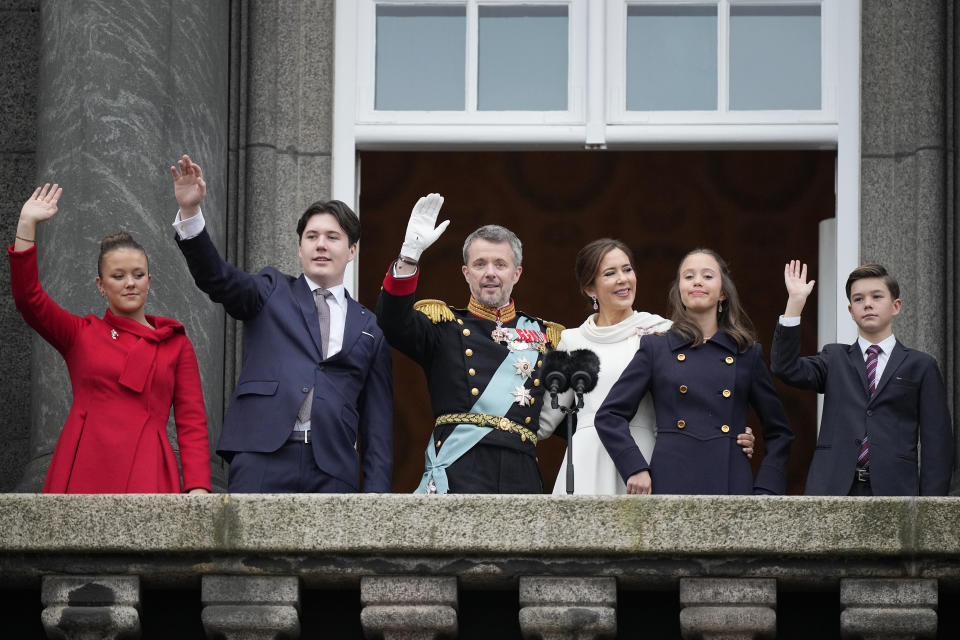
[(495, 400)]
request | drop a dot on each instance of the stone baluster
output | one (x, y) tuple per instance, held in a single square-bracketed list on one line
[(891, 609), (409, 607), (91, 607), (728, 608), (562, 608), (251, 607)]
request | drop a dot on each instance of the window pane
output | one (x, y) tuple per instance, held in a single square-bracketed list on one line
[(774, 57), (421, 57), (671, 58), (522, 63)]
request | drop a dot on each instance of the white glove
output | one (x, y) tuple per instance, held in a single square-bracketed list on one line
[(420, 229)]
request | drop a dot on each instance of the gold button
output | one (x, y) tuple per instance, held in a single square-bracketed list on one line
[(725, 428), (466, 332), (539, 363), (475, 391), (728, 359), (681, 357), (439, 442), (726, 393), (459, 321), (533, 401), (681, 424), (683, 388), (527, 421), (469, 352), (536, 382), (472, 372)]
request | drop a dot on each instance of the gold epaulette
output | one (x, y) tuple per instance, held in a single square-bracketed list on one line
[(553, 332), (436, 310)]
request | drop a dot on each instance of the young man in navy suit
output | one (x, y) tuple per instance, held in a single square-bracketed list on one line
[(314, 402), (881, 399)]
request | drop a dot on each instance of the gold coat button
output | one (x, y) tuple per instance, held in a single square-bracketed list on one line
[(683, 388), (532, 401), (527, 421), (475, 391), (459, 321), (681, 357), (439, 442), (681, 424), (536, 382), (727, 393), (728, 359), (472, 372), (725, 428), (466, 332), (469, 352), (539, 363)]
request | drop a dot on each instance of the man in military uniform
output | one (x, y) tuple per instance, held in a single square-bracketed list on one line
[(482, 363)]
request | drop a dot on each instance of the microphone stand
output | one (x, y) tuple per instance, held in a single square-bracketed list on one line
[(568, 413)]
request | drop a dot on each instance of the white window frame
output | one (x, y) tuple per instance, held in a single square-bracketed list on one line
[(590, 122)]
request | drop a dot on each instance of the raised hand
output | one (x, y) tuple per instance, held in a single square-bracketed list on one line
[(42, 205), (421, 232), (189, 186), (798, 289)]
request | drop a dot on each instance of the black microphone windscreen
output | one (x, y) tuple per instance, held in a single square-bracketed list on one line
[(588, 362), (556, 368)]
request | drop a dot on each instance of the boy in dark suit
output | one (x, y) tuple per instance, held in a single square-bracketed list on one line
[(881, 399), (314, 401)]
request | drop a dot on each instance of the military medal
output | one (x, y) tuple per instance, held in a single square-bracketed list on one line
[(522, 396), (524, 367), (499, 334)]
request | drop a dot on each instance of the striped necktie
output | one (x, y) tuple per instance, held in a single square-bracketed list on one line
[(873, 357)]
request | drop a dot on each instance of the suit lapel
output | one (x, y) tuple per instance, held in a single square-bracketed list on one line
[(893, 362), (304, 298), (352, 326), (859, 365)]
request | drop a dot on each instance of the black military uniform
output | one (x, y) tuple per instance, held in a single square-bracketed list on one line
[(467, 370)]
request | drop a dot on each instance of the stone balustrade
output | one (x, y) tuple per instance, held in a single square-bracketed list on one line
[(560, 564)]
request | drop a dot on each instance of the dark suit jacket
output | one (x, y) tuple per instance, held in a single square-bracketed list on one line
[(352, 415), (701, 396), (908, 406)]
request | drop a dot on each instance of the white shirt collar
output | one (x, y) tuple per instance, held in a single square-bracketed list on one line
[(886, 344), (339, 291)]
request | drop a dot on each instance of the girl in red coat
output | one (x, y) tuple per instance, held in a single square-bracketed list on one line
[(126, 369)]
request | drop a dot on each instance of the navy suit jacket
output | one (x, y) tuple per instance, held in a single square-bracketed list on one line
[(352, 417), (909, 405)]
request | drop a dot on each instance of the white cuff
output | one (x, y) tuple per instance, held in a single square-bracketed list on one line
[(793, 321), (189, 228)]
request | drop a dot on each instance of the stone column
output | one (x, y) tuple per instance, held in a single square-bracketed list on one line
[(728, 608), (888, 609), (125, 89), (408, 607), (554, 608), (251, 607), (91, 607)]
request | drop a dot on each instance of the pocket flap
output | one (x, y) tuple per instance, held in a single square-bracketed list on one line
[(257, 388)]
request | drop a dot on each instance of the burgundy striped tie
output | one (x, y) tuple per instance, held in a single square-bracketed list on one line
[(873, 355)]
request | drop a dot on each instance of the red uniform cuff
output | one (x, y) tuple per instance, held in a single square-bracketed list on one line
[(400, 286)]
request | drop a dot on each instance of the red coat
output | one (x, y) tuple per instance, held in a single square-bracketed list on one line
[(125, 377)]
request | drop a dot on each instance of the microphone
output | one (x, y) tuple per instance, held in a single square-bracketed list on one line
[(585, 365), (556, 374)]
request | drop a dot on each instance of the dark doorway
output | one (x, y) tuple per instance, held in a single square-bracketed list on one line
[(758, 209)]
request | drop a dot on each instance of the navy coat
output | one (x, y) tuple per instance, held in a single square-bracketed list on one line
[(701, 396), (352, 416), (909, 406)]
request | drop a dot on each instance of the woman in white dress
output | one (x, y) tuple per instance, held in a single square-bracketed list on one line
[(604, 270)]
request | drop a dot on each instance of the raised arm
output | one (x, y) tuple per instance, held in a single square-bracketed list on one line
[(189, 187), (798, 289), (785, 360)]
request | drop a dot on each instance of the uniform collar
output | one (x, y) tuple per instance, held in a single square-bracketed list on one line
[(506, 313), (721, 338)]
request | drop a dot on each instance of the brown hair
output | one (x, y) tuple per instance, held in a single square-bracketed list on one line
[(733, 319), (345, 216), (590, 257), (121, 240), (873, 270)]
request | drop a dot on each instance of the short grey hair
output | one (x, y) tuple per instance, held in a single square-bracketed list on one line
[(496, 234)]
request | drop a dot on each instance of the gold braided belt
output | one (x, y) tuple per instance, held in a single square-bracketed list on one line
[(485, 420)]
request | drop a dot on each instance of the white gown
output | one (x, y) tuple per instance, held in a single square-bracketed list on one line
[(594, 472)]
